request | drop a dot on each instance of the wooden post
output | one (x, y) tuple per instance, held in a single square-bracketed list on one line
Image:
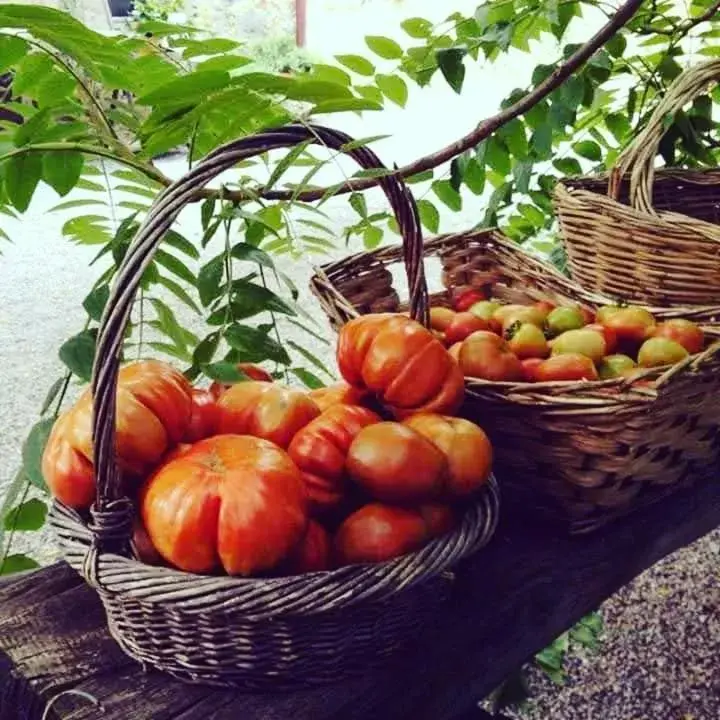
[(300, 22)]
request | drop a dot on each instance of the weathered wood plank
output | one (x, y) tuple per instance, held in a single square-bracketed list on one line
[(511, 600)]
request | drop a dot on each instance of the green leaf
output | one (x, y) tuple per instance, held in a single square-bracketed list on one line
[(451, 65), (87, 230), (71, 204), (30, 72), (176, 240), (310, 357), (344, 105), (213, 46), (313, 382), (357, 64), (179, 292), (497, 156), (589, 150), (12, 49), (417, 27), (572, 92), (393, 87), (52, 393), (357, 202), (618, 125), (475, 177), (255, 345), (96, 301), (22, 174), (209, 281), (384, 47), (429, 215), (249, 253), (207, 210), (616, 45), (33, 449), (186, 90), (541, 142), (78, 353), (513, 136), (27, 517), (370, 92), (175, 266), (550, 658), (445, 192), (250, 299), (372, 237), (225, 372), (568, 166), (17, 563), (280, 168), (522, 172), (206, 349)]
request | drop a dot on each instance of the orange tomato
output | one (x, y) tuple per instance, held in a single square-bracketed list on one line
[(487, 356), (205, 416), (530, 366), (463, 325), (378, 533), (265, 410), (528, 341), (230, 501), (632, 325), (253, 372), (320, 450), (154, 405), (571, 366), (312, 554), (401, 362), (440, 318), (686, 333), (581, 342), (545, 306), (338, 394), (465, 446), (394, 463), (608, 333)]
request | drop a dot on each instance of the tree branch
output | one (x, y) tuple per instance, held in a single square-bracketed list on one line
[(486, 127), (707, 15)]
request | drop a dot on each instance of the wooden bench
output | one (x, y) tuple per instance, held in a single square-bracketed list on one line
[(510, 601)]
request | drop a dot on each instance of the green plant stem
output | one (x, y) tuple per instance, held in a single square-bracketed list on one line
[(11, 532)]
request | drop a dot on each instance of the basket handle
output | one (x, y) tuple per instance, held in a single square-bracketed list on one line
[(158, 221), (639, 156)]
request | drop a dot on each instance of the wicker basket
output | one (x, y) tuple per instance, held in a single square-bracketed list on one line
[(583, 453), (645, 235), (281, 631)]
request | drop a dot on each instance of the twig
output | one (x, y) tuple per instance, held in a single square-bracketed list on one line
[(707, 15)]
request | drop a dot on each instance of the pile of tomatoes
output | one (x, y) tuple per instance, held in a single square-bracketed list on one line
[(542, 342), (259, 478)]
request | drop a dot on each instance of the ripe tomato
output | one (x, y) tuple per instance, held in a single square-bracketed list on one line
[(467, 299), (659, 351), (234, 501), (313, 552), (588, 315), (395, 463), (67, 472), (632, 325), (614, 366), (528, 341), (455, 352), (440, 318), (142, 547), (686, 333), (605, 312), (439, 519), (562, 319), (377, 533), (581, 342), (154, 405), (487, 356), (205, 416), (265, 410), (545, 307), (463, 325), (253, 372), (530, 366), (401, 362), (337, 394), (526, 315), (609, 334), (566, 367), (466, 448), (504, 311), (320, 450)]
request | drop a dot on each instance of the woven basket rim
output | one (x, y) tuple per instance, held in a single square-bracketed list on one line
[(65, 521)]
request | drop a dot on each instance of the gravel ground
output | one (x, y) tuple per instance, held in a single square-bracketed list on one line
[(659, 660)]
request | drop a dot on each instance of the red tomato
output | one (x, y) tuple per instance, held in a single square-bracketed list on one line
[(588, 315), (465, 446), (320, 450), (686, 333), (142, 547), (232, 501), (401, 362), (608, 333), (377, 533), (545, 307), (312, 553), (253, 372), (439, 519), (395, 463), (465, 300), (265, 410), (487, 356), (530, 367), (463, 325), (338, 394), (571, 366), (440, 318), (632, 325), (205, 416)]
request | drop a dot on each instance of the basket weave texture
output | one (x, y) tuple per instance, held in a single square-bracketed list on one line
[(646, 235), (249, 632), (583, 453)]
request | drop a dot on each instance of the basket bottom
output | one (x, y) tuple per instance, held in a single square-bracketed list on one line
[(283, 655)]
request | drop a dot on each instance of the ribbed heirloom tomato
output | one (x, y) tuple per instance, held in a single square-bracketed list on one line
[(320, 451), (402, 363), (230, 501), (204, 417), (154, 404), (265, 410), (312, 553), (337, 394)]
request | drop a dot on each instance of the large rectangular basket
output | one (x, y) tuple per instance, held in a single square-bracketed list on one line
[(645, 235), (582, 453), (249, 632)]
